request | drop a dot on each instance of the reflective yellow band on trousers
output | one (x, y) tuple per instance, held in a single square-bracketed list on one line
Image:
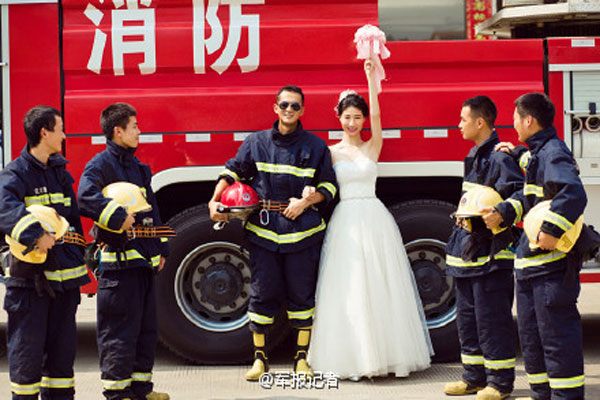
[(260, 319), (306, 314), (567, 383), (535, 379), (500, 364), (24, 390), (471, 359), (116, 385), (57, 383)]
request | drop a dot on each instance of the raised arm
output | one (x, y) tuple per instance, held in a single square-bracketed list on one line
[(375, 143)]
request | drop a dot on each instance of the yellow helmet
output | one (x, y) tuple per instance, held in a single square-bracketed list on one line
[(475, 199), (532, 224), (52, 223), (127, 195)]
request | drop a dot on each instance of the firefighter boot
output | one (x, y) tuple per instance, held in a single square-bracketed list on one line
[(491, 393), (157, 396), (300, 363), (261, 362), (460, 388)]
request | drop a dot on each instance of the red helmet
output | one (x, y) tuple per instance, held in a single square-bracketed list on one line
[(239, 196)]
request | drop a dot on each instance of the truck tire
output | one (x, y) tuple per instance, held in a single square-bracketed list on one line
[(203, 293), (425, 226)]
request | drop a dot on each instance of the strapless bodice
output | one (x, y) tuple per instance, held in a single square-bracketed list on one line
[(356, 178)]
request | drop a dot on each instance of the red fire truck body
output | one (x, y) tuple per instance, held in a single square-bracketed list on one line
[(202, 74)]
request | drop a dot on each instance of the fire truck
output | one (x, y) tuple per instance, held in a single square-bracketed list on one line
[(203, 74)]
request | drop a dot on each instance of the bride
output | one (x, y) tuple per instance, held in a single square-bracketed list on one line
[(369, 319)]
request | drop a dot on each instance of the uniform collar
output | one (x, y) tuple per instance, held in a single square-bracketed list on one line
[(55, 160), (288, 138), (125, 156), (537, 140), (484, 147)]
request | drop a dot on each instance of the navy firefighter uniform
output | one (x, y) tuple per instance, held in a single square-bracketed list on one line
[(284, 254), (127, 325), (548, 281), (41, 299), (482, 265)]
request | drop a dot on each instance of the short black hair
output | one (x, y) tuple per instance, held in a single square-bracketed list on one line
[(290, 88), (116, 114), (37, 118), (539, 106), (484, 107), (352, 100)]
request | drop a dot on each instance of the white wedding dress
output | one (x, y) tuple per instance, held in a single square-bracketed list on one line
[(369, 319)]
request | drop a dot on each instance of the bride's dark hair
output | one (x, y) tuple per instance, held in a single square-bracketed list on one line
[(352, 99)]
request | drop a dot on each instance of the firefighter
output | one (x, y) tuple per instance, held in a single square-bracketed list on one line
[(285, 236), (481, 261), (126, 305), (547, 278), (37, 207)]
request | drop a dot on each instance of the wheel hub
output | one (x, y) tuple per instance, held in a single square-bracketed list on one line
[(220, 285), (430, 281)]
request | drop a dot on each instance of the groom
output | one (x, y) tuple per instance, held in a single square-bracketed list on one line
[(285, 237)]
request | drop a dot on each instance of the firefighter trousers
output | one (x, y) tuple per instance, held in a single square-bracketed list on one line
[(126, 331), (279, 279), (41, 343), (486, 329), (551, 336)]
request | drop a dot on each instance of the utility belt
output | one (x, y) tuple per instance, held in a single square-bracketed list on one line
[(273, 205), (141, 231)]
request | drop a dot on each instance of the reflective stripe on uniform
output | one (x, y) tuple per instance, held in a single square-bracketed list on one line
[(329, 187), (538, 191), (518, 209), (284, 238), (524, 160), (306, 314), (260, 319), (58, 383), (66, 274), (24, 390), (500, 364), (141, 376), (536, 379), (48, 198), (231, 174), (567, 383), (164, 239), (285, 169), (131, 254), (542, 259), (116, 385), (558, 220), (460, 263), (24, 223), (471, 359), (108, 211)]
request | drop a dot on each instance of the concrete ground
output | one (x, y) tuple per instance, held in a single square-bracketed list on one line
[(191, 382)]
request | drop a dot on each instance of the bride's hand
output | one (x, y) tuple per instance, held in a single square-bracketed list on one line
[(308, 191)]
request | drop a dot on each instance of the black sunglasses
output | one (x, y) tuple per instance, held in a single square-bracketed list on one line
[(284, 105)]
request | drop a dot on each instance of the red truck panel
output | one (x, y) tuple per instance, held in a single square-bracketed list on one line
[(34, 64)]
